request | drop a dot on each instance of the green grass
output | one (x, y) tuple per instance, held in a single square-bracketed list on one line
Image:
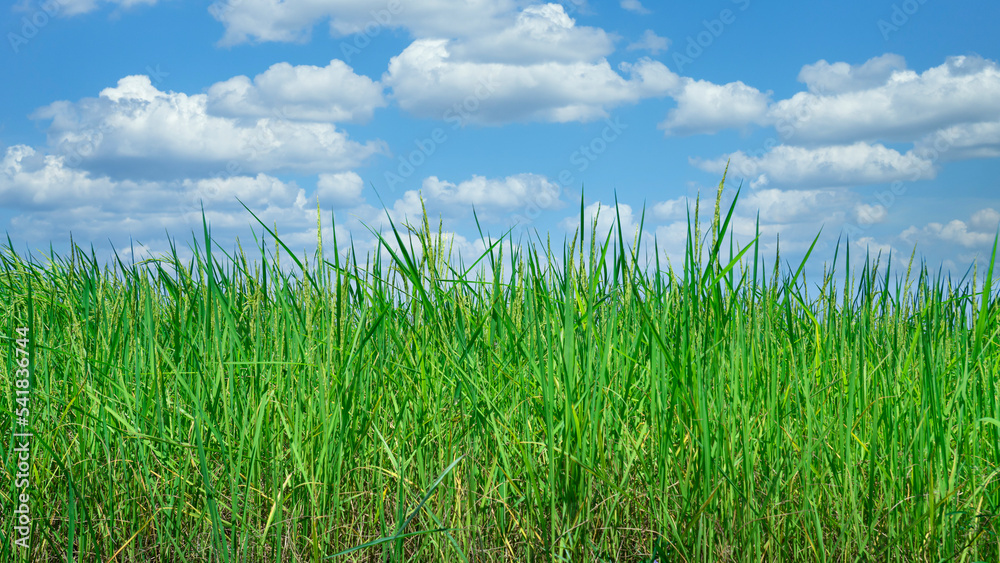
[(574, 406)]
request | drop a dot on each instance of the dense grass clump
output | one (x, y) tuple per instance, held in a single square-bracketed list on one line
[(572, 405)]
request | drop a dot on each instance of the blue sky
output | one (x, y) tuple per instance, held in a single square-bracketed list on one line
[(875, 120)]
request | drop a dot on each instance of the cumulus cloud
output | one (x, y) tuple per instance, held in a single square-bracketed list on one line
[(540, 33), (33, 180), (867, 214), (977, 233), (837, 165), (342, 189), (824, 78), (774, 206), (60, 8), (948, 112), (293, 20), (152, 233), (261, 190), (673, 209), (986, 219), (870, 246), (634, 6), (428, 83), (791, 216), (651, 42), (57, 200), (880, 100), (491, 197), (962, 142), (607, 217), (459, 250), (304, 92), (512, 65), (795, 206), (138, 131), (704, 107), (760, 181), (47, 201)]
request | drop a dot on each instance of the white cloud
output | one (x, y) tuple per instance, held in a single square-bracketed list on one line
[(948, 112), (98, 207), (607, 218), (838, 165), (542, 33), (30, 179), (512, 65), (672, 240), (342, 189), (293, 20), (304, 92), (824, 78), (673, 209), (866, 214), (796, 216), (450, 244), (704, 107), (961, 142), (651, 42), (812, 207), (903, 106), (491, 197), (760, 181), (426, 82), (58, 8), (954, 232), (775, 206), (136, 130), (873, 248), (260, 190), (986, 219), (47, 201), (634, 6)]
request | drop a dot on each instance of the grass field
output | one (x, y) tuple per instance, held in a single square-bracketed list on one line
[(574, 407)]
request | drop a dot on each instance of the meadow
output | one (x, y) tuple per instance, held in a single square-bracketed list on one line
[(542, 402)]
